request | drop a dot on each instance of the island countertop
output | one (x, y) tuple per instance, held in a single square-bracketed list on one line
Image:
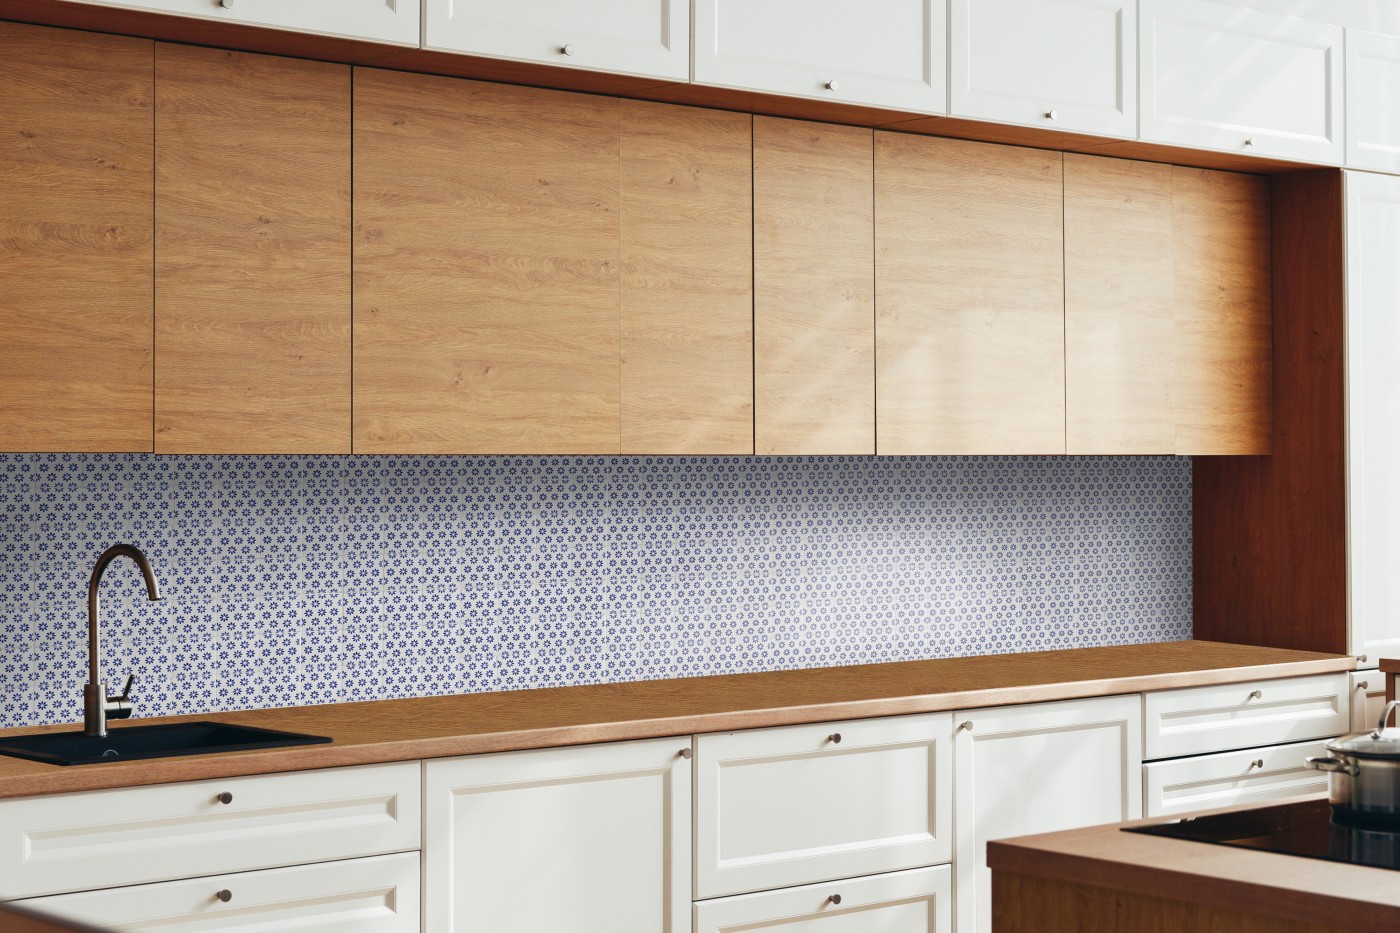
[(442, 726)]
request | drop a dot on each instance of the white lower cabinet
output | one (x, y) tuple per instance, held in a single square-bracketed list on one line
[(1367, 700), (916, 901), (1204, 782), (367, 895), (1039, 768), (588, 839)]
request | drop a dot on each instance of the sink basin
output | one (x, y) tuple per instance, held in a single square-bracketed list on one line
[(158, 741)]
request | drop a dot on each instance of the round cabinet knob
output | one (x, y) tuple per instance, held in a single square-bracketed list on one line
[(1256, 694), (834, 738), (830, 85), (1364, 685), (965, 725), (1249, 143), (225, 895), (835, 899), (567, 49), (687, 753), (1052, 115), (226, 4), (225, 797), (1256, 763)]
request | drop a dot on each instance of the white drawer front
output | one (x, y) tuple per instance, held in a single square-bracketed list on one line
[(107, 838), (641, 37), (1206, 781), (918, 901), (393, 21), (793, 805), (370, 895), (1199, 720)]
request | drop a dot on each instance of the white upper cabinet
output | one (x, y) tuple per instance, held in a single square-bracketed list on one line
[(887, 54), (650, 38), (1061, 64), (1239, 80), (1373, 101), (1373, 411), (394, 21)]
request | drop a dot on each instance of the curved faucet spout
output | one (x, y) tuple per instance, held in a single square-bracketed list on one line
[(97, 705)]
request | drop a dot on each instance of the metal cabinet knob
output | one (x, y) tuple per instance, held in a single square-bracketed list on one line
[(835, 899), (834, 738), (687, 753), (1249, 143), (567, 49), (1256, 694), (225, 895), (1256, 763), (225, 797), (1052, 115), (830, 85), (965, 725), (1364, 685), (226, 4)]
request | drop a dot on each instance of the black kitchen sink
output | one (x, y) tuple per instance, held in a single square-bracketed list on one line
[(160, 741)]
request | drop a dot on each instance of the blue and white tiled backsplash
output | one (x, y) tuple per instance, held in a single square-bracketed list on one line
[(295, 580)]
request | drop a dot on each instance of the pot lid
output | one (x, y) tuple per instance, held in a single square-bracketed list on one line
[(1381, 743)]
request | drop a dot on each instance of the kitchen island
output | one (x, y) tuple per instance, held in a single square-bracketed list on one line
[(1104, 880)]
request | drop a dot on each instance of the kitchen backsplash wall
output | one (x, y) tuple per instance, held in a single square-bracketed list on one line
[(320, 579)]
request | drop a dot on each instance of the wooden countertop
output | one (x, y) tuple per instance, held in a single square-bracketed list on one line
[(434, 727), (1313, 891)]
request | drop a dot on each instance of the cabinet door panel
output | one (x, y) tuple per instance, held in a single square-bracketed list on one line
[(687, 280), (917, 901), (891, 54), (1373, 101), (394, 21), (969, 285), (1373, 411), (1119, 307), (1222, 262), (1066, 64), (371, 895), (1037, 769), (643, 37), (486, 268), (252, 253), (1218, 76), (75, 256), (814, 288), (589, 839)]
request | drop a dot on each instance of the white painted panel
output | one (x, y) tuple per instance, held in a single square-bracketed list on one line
[(1199, 720), (1373, 101), (370, 895), (888, 54), (589, 839), (106, 838), (792, 805), (1037, 769), (1367, 699), (1221, 77), (393, 21), (1060, 64), (1184, 785), (1373, 412), (917, 901), (639, 37)]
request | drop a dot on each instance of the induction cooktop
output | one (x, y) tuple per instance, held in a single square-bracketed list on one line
[(1304, 829)]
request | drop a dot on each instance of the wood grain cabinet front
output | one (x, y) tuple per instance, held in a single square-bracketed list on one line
[(589, 839), (388, 21), (368, 895), (800, 804), (915, 901), (135, 835)]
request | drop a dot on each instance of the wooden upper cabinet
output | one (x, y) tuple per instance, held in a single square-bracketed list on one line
[(486, 268), (1119, 307), (814, 288), (1221, 257), (687, 280), (75, 255), (969, 285), (252, 253)]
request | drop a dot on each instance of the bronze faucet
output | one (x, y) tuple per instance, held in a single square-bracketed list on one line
[(98, 707)]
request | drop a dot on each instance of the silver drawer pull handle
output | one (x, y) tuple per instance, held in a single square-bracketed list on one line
[(835, 899), (225, 797), (225, 895), (686, 753), (1256, 694), (1256, 763), (834, 738)]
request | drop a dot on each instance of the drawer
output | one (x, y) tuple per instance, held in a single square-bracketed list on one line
[(800, 804), (368, 895), (1206, 781), (1199, 720), (107, 838), (393, 21), (917, 901)]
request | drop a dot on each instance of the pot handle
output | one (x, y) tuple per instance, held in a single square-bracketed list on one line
[(1327, 764), (1385, 714)]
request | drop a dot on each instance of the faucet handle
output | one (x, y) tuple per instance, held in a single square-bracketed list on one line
[(125, 695), (119, 707)]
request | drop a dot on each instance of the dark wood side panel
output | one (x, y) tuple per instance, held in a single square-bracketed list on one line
[(1270, 532)]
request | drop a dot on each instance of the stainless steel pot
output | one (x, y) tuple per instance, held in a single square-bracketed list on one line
[(1364, 776)]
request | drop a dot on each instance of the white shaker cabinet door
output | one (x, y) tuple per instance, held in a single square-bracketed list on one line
[(588, 839), (1060, 64), (1042, 768), (887, 54), (392, 21), (637, 37), (1216, 76), (1373, 412), (1373, 101), (917, 901)]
